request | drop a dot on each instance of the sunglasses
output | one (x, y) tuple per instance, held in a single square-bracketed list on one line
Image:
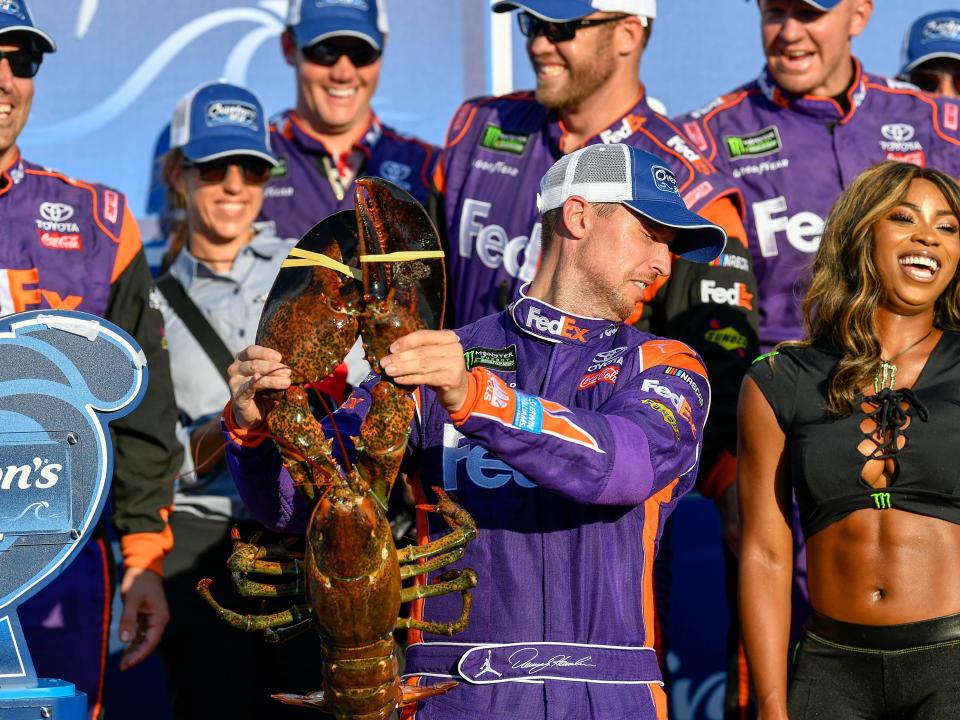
[(23, 63), (327, 54), (929, 80), (531, 26), (254, 170)]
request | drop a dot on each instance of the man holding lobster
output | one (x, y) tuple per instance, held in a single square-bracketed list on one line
[(568, 435)]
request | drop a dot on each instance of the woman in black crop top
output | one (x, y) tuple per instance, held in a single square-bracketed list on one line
[(860, 421)]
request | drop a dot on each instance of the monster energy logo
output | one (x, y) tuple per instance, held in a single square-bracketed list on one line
[(762, 142), (494, 138), (881, 500), (502, 359)]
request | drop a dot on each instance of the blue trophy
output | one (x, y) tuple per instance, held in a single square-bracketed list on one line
[(63, 377)]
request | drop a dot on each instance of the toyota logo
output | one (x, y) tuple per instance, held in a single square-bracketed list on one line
[(898, 132), (56, 212)]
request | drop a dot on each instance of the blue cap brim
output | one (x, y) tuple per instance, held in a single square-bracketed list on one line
[(933, 54), (225, 145), (337, 23), (697, 240), (45, 43), (553, 10), (825, 5)]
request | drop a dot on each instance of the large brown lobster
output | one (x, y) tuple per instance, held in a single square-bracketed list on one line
[(352, 572)]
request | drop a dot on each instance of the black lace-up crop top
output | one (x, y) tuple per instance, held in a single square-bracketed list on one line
[(825, 458)]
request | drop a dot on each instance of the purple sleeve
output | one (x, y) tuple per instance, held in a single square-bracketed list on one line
[(645, 436)]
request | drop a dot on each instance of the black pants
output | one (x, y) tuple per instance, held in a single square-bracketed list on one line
[(214, 670), (898, 672)]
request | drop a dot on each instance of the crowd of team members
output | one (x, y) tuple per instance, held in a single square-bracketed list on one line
[(765, 162)]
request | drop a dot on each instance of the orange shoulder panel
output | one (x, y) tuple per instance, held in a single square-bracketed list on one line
[(128, 242), (662, 351), (723, 212)]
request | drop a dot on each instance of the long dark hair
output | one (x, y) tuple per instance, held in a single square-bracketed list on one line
[(847, 289), (176, 209)]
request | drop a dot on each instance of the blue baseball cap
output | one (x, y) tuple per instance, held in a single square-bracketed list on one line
[(825, 5), (316, 20), (623, 174), (934, 35), (15, 17), (563, 10), (218, 120)]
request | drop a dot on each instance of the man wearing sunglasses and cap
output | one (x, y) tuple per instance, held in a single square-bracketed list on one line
[(569, 439), (72, 245), (332, 135), (792, 139), (931, 53)]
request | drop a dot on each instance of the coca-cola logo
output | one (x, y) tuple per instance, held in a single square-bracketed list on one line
[(60, 241), (56, 212)]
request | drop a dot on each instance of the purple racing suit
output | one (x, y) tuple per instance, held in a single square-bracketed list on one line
[(72, 245), (497, 150), (300, 194), (575, 443), (792, 156)]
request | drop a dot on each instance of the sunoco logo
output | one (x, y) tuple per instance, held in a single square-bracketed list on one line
[(664, 179), (56, 212), (898, 132), (233, 113)]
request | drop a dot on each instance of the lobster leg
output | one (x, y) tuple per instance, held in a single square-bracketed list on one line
[(453, 581), (279, 635), (249, 588), (252, 623), (408, 571), (383, 438), (304, 449), (462, 530)]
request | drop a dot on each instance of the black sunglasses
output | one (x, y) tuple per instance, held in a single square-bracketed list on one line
[(532, 26), (254, 170), (23, 63), (929, 80), (327, 54)]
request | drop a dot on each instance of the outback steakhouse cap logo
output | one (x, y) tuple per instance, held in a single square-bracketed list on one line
[(232, 113), (664, 179)]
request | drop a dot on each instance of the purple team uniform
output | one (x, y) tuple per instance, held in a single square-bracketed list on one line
[(576, 442), (300, 193), (497, 149), (791, 158)]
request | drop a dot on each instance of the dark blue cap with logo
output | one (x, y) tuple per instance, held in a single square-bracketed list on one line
[(624, 174), (315, 20), (15, 17), (218, 120), (934, 35), (825, 5), (563, 10)]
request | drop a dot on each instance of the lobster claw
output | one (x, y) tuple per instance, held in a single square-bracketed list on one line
[(403, 291), (310, 315)]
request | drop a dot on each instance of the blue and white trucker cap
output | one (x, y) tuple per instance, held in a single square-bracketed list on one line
[(316, 20), (563, 10), (15, 17), (218, 120), (623, 174), (934, 35)]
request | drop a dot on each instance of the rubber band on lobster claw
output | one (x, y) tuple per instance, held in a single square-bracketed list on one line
[(378, 272)]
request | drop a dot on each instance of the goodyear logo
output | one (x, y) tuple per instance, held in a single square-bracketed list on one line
[(762, 142), (666, 413), (494, 138)]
